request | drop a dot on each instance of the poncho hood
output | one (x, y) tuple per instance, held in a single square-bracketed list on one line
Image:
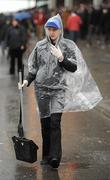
[(54, 22)]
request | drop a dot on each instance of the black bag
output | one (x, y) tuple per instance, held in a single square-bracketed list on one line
[(25, 149)]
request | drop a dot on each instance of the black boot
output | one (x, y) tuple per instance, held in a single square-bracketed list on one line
[(54, 163)]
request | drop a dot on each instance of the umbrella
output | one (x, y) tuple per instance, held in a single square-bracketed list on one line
[(22, 15)]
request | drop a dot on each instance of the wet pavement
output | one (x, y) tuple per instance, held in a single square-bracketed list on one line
[(85, 135)]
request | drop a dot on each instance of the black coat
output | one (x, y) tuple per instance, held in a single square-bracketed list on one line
[(16, 37)]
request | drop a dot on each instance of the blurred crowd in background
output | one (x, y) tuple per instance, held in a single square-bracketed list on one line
[(82, 22)]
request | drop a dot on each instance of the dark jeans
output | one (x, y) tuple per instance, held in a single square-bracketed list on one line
[(51, 136), (107, 36), (74, 35), (15, 53)]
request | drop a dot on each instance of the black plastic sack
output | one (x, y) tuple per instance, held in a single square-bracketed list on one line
[(25, 149)]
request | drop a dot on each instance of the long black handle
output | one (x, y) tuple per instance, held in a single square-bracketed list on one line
[(21, 117), (20, 126)]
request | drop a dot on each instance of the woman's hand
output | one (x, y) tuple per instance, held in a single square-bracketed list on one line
[(25, 83), (57, 53)]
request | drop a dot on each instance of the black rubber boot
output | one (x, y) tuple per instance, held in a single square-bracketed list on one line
[(54, 163)]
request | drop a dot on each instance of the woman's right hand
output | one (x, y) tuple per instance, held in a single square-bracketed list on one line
[(25, 83)]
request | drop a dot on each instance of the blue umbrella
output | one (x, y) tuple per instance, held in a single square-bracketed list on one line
[(22, 15)]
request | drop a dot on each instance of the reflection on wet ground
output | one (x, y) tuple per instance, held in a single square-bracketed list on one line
[(66, 171)]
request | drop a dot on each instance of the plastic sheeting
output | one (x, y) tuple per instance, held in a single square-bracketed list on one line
[(58, 90)]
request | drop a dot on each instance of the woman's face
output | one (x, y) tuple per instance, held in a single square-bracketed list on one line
[(53, 33)]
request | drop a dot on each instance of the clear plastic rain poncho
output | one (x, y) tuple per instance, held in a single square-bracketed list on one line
[(56, 89)]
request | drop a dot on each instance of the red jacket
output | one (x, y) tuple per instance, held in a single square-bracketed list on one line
[(73, 22), (39, 18)]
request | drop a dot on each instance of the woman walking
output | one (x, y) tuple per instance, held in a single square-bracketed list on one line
[(62, 82)]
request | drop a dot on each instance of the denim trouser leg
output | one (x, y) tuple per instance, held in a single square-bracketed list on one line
[(74, 35)]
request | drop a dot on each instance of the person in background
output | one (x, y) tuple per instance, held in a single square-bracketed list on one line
[(39, 20), (83, 13), (73, 25), (64, 15), (16, 39)]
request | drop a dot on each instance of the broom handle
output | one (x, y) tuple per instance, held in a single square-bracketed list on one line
[(21, 99)]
